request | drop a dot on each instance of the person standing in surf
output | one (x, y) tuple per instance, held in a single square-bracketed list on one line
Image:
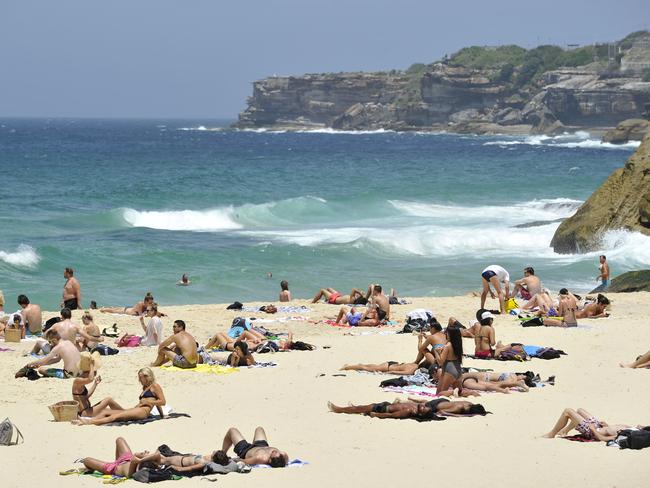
[(71, 291), (495, 275)]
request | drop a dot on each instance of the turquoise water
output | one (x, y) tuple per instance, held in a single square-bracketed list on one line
[(131, 205)]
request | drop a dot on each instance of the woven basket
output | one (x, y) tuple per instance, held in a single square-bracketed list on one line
[(64, 411), (12, 335)]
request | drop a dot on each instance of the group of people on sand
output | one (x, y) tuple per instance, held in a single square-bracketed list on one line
[(127, 462), (377, 305)]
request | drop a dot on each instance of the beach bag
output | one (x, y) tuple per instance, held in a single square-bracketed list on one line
[(105, 350), (548, 353), (536, 322), (510, 304), (419, 320), (7, 432), (512, 355), (152, 475), (633, 439), (129, 341)]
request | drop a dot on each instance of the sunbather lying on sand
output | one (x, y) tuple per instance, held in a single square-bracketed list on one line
[(585, 423), (642, 361), (227, 343), (333, 297), (137, 309), (356, 318), (392, 367), (259, 452), (412, 409), (108, 411), (480, 381), (183, 463), (125, 464)]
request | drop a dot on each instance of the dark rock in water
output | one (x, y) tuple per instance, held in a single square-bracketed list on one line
[(622, 202), (630, 282), (536, 223)]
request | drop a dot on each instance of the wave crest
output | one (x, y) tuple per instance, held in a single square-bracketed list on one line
[(578, 139), (25, 256)]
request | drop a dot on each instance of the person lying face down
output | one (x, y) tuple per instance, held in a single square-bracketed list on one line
[(412, 409)]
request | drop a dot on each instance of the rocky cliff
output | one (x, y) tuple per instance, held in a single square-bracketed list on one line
[(622, 202), (479, 89)]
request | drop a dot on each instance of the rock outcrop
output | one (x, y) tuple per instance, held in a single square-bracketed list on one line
[(448, 95), (630, 282), (628, 130), (622, 202)]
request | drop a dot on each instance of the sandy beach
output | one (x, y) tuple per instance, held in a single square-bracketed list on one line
[(290, 401)]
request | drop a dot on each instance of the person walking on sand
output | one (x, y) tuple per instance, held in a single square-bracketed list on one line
[(603, 274), (495, 275), (183, 354), (71, 291)]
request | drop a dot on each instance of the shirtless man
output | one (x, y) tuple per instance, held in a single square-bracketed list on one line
[(71, 291), (334, 297), (61, 350), (31, 313), (495, 275), (183, 354), (603, 274), (380, 301), (259, 452), (528, 286), (69, 331)]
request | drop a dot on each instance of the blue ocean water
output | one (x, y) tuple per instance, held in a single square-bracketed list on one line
[(131, 205)]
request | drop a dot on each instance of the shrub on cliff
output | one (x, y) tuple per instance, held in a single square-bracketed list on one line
[(481, 57)]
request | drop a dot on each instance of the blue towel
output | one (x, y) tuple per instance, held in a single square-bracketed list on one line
[(532, 350)]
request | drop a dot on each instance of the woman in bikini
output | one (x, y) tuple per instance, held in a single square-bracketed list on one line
[(585, 423), (484, 336), (449, 358), (126, 463), (567, 309), (413, 408), (227, 343), (88, 365), (183, 463), (137, 309), (500, 383), (436, 340), (392, 367), (152, 396)]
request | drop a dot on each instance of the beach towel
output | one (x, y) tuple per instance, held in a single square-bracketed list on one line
[(5, 349), (152, 418), (203, 368), (578, 438), (412, 390)]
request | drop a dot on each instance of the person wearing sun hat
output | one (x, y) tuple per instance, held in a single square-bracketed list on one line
[(88, 365)]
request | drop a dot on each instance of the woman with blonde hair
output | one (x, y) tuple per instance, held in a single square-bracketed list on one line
[(152, 396)]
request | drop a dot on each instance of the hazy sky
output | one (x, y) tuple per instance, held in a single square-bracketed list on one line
[(196, 58)]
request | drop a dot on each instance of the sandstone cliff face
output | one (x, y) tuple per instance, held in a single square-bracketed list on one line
[(628, 130), (622, 202), (457, 98)]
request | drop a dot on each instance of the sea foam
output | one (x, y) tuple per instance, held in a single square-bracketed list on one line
[(25, 256)]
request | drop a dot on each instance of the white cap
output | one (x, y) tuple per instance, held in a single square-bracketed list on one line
[(487, 315)]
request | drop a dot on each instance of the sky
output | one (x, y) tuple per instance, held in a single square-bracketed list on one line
[(197, 58)]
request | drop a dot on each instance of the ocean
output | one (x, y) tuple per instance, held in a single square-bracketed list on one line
[(133, 204)]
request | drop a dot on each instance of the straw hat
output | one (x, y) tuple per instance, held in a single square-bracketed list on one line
[(87, 359)]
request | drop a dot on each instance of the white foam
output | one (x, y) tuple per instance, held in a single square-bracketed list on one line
[(25, 256), (218, 219), (202, 128), (578, 139)]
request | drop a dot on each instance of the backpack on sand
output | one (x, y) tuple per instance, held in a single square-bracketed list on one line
[(7, 430)]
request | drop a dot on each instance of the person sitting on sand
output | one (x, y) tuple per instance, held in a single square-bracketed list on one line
[(642, 361), (88, 365), (435, 340), (137, 309), (585, 423), (31, 313), (484, 335), (356, 318), (334, 297), (481, 381), (240, 356), (152, 396), (285, 294), (183, 354), (412, 409), (377, 299), (528, 286), (154, 328), (125, 464), (568, 310), (259, 452), (184, 281), (92, 330), (495, 275), (72, 332), (61, 349), (449, 359)]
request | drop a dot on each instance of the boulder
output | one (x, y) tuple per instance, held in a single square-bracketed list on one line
[(628, 130), (622, 202), (630, 282)]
